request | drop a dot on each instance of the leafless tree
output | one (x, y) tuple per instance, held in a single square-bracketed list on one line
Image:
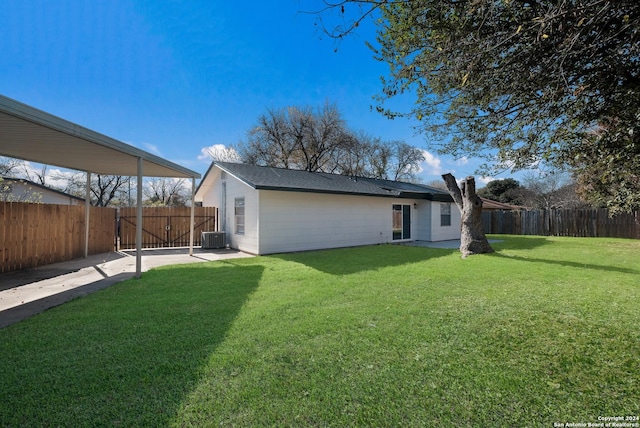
[(36, 175), (551, 190), (407, 158), (320, 141), (106, 190), (7, 165), (166, 192)]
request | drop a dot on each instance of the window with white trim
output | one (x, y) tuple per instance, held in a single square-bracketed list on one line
[(239, 215), (445, 214)]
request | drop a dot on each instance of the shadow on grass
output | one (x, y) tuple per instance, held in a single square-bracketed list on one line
[(125, 356), (569, 264), (347, 261), (513, 242)]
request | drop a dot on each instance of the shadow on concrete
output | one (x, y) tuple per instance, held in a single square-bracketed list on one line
[(29, 309), (27, 276), (28, 292)]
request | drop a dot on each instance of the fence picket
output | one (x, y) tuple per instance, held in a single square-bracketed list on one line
[(33, 235), (577, 222)]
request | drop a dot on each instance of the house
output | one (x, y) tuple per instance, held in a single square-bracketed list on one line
[(266, 210), (22, 190)]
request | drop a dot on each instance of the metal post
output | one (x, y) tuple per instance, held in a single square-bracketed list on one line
[(139, 222), (87, 209), (193, 210)]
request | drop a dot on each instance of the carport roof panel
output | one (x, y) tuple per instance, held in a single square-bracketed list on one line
[(31, 134)]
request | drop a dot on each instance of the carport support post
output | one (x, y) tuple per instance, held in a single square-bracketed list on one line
[(139, 221), (193, 211), (87, 210)]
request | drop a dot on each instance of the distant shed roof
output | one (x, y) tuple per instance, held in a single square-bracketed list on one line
[(39, 186), (491, 205), (268, 178)]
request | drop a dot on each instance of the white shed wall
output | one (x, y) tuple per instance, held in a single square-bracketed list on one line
[(248, 241)]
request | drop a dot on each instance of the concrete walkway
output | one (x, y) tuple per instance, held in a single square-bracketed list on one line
[(29, 292)]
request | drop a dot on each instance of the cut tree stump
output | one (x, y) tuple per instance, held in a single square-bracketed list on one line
[(472, 237)]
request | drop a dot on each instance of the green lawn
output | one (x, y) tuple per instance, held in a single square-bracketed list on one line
[(544, 331)]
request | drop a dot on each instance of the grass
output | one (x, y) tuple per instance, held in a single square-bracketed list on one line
[(544, 331)]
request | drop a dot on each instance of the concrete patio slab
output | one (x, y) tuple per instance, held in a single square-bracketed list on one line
[(31, 291)]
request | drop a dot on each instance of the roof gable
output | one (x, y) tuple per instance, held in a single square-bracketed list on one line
[(268, 178), (40, 187)]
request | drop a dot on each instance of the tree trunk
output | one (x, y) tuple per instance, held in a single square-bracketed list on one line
[(472, 237)]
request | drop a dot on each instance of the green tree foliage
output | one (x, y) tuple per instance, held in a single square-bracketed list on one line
[(507, 190), (607, 169), (520, 82)]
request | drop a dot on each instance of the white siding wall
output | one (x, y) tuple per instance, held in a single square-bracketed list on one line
[(210, 191), (247, 242), (423, 215), (444, 233), (295, 221), (279, 221)]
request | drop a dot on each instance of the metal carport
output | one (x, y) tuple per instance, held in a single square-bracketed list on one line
[(34, 135)]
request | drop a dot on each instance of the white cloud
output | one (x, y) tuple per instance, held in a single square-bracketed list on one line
[(462, 161), (152, 148), (484, 180), (431, 164)]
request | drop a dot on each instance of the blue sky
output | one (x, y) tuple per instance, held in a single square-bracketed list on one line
[(174, 77)]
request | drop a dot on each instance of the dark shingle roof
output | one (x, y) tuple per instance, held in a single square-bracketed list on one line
[(268, 178)]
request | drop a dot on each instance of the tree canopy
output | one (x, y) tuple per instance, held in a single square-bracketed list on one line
[(519, 82), (506, 190)]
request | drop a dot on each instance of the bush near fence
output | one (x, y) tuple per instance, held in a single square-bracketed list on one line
[(574, 222), (33, 235)]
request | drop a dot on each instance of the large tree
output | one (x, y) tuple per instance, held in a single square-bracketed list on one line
[(166, 192), (106, 190), (507, 190), (319, 140), (519, 82)]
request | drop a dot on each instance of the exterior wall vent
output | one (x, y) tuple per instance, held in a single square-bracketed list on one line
[(213, 240)]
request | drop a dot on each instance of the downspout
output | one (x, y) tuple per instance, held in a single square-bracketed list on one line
[(257, 221)]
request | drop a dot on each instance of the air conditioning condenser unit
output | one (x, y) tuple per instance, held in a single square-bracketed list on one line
[(213, 240)]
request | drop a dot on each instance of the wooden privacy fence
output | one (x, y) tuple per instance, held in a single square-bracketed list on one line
[(165, 226), (33, 235), (574, 222)]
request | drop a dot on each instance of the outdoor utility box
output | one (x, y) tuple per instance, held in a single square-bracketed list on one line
[(213, 240)]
